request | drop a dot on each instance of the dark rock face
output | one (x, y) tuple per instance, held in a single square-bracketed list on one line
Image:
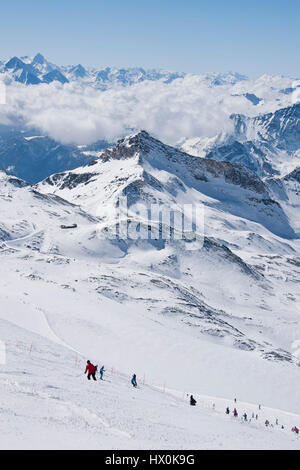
[(252, 98), (69, 180), (293, 176), (55, 75), (236, 174)]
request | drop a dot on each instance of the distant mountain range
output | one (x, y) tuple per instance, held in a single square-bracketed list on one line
[(37, 70)]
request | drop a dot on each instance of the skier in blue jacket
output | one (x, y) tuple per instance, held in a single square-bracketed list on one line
[(102, 370), (133, 381)]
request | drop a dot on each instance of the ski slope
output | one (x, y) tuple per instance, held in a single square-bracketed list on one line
[(47, 403)]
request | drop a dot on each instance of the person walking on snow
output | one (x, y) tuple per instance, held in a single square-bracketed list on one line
[(133, 381), (245, 416), (235, 413), (227, 411), (91, 370), (102, 370), (192, 401)]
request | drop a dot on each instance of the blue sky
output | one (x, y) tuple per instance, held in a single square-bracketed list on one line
[(251, 37)]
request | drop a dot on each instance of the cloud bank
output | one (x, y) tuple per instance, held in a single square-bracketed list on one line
[(186, 108)]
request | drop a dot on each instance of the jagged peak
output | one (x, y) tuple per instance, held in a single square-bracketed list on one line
[(145, 141), (38, 59), (78, 67), (143, 146), (136, 136), (15, 62)]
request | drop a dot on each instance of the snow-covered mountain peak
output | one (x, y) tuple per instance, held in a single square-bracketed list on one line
[(151, 152), (146, 170), (38, 59)]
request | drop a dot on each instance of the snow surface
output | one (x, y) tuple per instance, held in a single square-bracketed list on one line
[(220, 322), (47, 403)]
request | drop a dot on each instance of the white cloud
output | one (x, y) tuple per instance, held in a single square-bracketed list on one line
[(187, 107)]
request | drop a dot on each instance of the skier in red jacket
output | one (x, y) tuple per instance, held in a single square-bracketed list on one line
[(91, 370)]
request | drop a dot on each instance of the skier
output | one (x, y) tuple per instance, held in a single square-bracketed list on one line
[(91, 370), (102, 370), (235, 413), (267, 422), (295, 430), (192, 401), (133, 381), (245, 416), (227, 411)]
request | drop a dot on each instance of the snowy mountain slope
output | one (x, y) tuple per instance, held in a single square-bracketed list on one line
[(229, 310), (78, 299), (96, 188), (155, 172), (47, 403), (25, 213), (169, 260), (287, 190), (35, 237), (145, 170)]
